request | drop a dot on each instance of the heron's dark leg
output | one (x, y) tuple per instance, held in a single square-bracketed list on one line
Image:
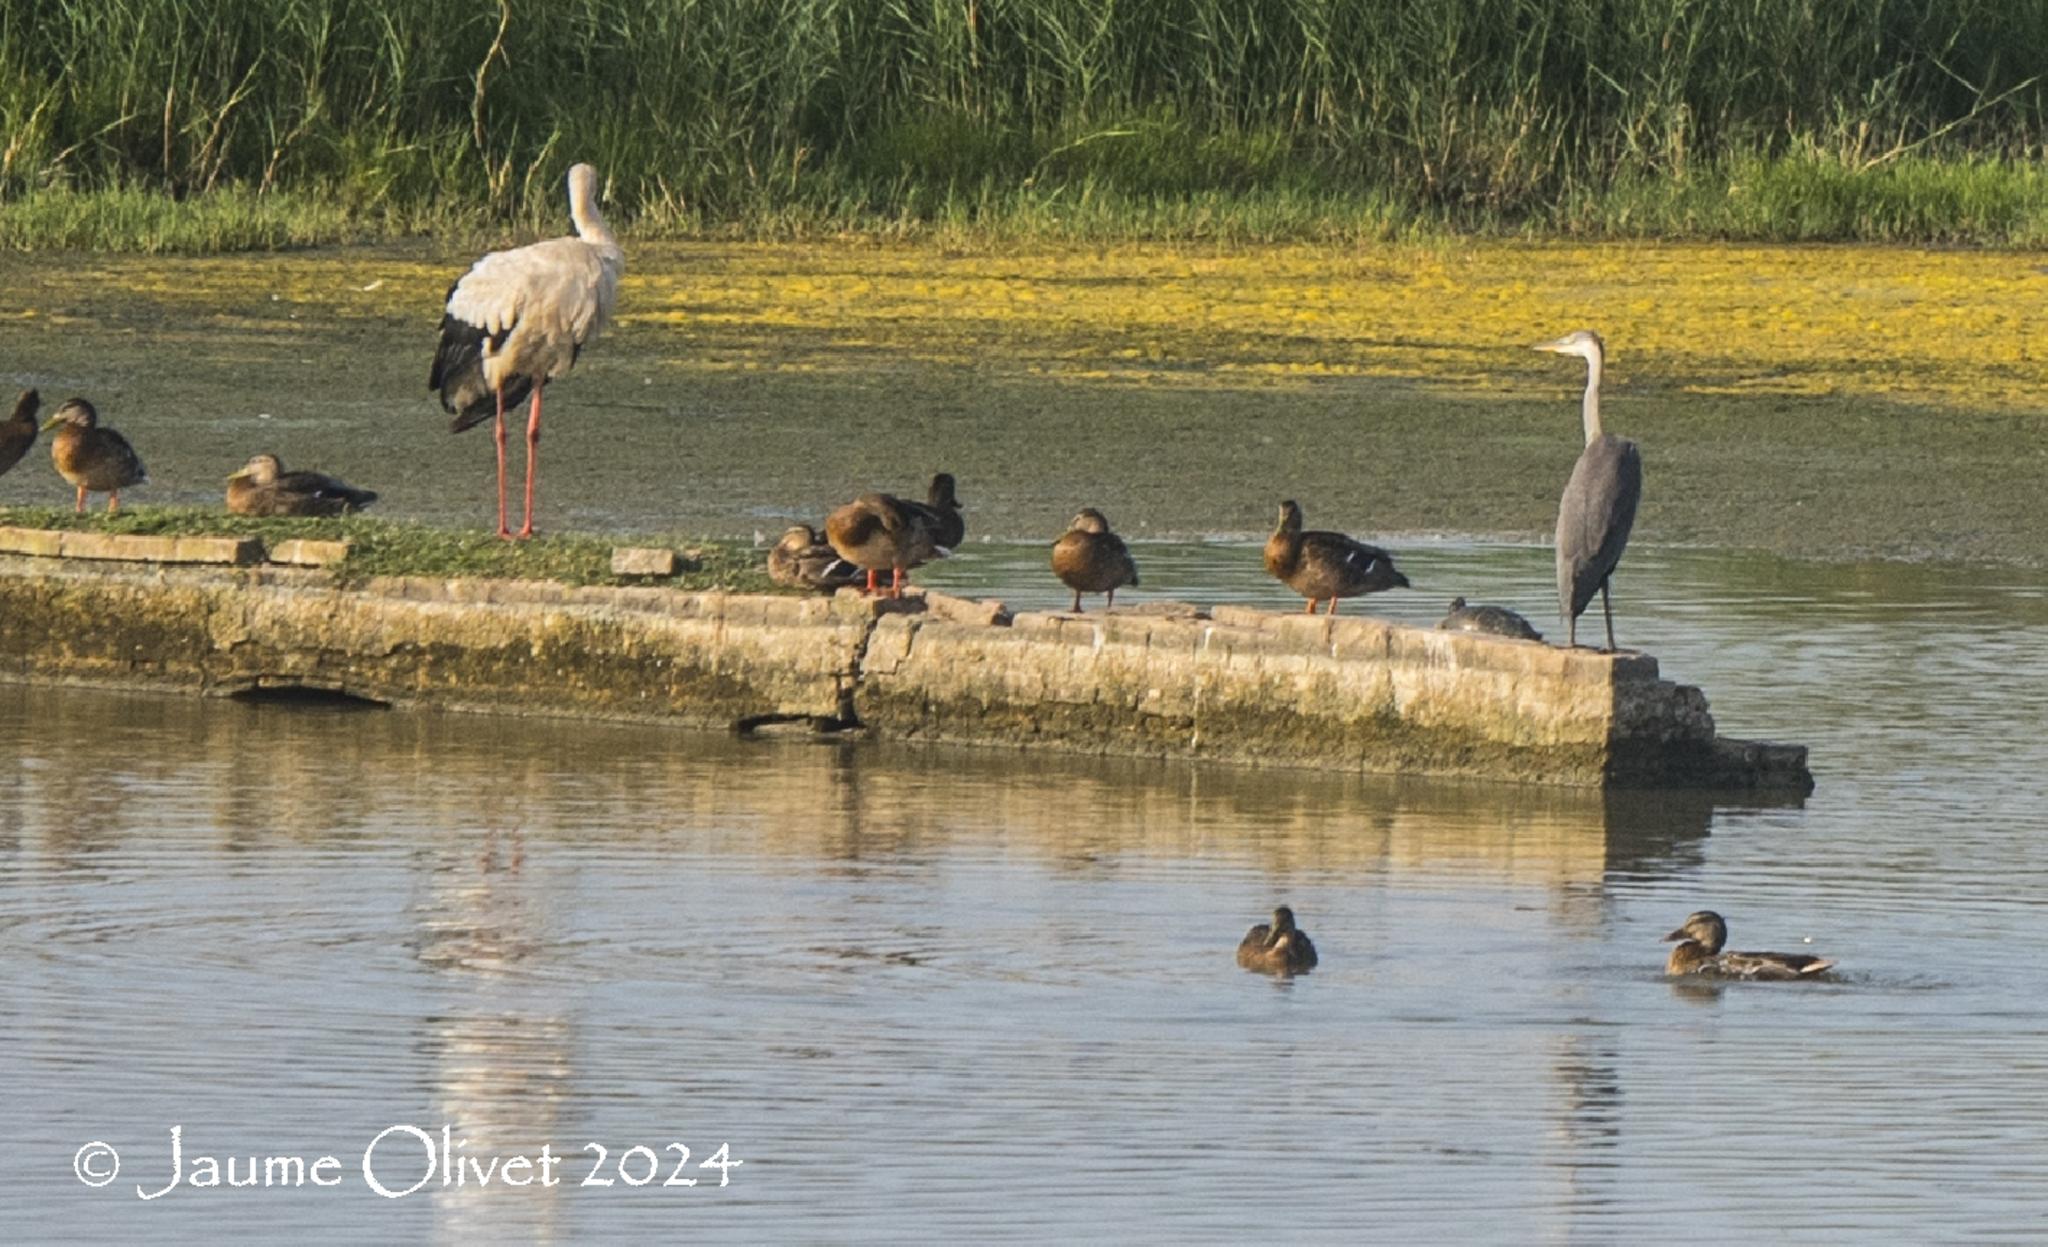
[(498, 431), (1571, 632), (1608, 607), (1108, 604), (532, 459)]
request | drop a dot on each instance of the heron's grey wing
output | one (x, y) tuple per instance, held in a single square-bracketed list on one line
[(1594, 518)]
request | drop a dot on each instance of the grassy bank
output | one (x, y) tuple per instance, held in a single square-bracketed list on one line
[(1836, 402), (249, 123), (390, 548)]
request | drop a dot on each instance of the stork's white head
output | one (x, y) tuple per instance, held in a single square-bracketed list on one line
[(1583, 343)]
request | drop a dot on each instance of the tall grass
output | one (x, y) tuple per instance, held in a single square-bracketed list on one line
[(766, 115)]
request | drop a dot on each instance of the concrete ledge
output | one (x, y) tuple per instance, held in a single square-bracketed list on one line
[(1234, 684), (304, 552), (130, 548)]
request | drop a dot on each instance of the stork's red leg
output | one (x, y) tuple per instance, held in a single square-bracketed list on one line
[(504, 529), (532, 455)]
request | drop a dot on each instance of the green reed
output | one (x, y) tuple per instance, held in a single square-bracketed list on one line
[(1224, 118)]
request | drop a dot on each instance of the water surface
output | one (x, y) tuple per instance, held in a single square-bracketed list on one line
[(934, 994)]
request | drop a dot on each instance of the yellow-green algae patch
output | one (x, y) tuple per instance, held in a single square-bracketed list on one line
[(1930, 326)]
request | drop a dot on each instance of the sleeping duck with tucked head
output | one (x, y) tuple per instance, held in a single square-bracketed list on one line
[(1281, 948), (1703, 935)]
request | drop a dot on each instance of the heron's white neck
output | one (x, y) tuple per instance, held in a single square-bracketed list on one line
[(1591, 406)]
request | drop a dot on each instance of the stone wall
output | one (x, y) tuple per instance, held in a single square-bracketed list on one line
[(1234, 684)]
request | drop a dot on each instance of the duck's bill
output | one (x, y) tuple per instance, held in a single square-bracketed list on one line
[(1680, 934)]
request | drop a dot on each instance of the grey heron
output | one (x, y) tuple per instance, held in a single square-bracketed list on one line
[(1599, 503)]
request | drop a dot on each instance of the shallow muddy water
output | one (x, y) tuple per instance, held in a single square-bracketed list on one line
[(971, 995)]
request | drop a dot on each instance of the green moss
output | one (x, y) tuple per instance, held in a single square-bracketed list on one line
[(388, 548)]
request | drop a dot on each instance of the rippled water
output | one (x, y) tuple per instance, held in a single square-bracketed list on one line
[(976, 995)]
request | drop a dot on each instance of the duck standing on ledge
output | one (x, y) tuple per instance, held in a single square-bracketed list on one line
[(1320, 565), (877, 531), (942, 502), (1281, 948), (518, 319), (1701, 938), (803, 560), (1599, 504), (18, 431), (263, 487), (1088, 558), (93, 459)]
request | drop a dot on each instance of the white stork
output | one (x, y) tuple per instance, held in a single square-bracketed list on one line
[(518, 319)]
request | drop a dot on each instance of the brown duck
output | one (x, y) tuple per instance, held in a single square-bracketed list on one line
[(1281, 948), (1088, 558), (803, 560), (1699, 952), (1320, 565), (877, 531), (263, 487), (18, 432), (941, 500), (95, 460)]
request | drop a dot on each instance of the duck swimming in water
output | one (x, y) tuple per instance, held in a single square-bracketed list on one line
[(1699, 952), (1281, 948)]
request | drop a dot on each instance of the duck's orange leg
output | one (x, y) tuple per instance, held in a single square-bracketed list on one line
[(532, 458), (896, 583), (871, 581), (81, 500), (1312, 605), (498, 430), (1333, 606), (113, 502)]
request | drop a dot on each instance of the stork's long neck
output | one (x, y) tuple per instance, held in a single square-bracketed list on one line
[(590, 224), (1591, 406)]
